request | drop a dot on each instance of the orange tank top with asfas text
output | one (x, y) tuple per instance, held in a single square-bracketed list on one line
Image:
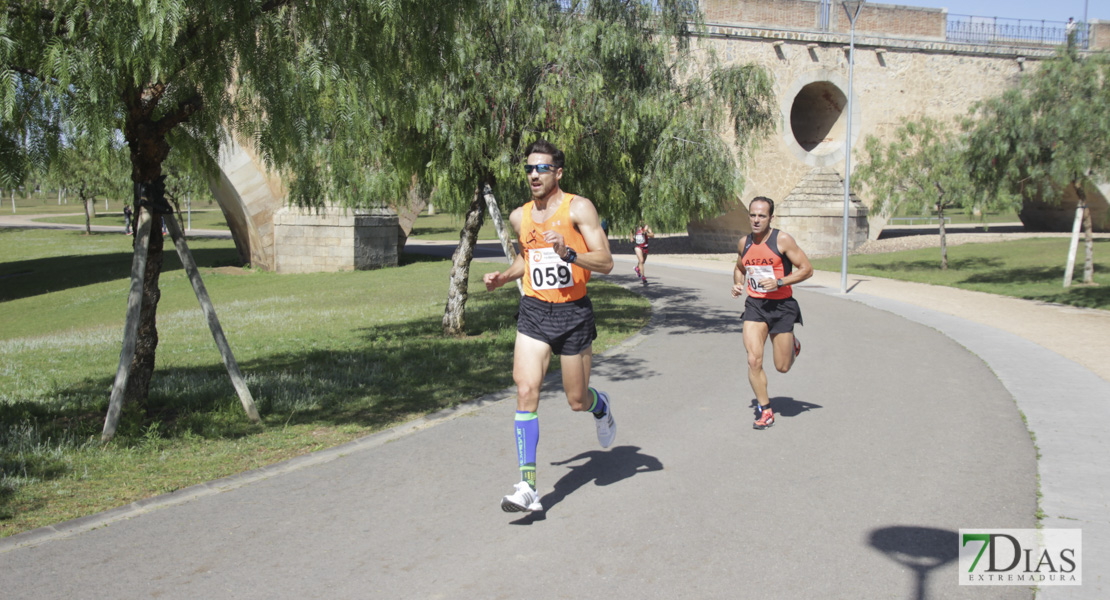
[(763, 261)]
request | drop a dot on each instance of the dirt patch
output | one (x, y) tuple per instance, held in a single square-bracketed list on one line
[(231, 271)]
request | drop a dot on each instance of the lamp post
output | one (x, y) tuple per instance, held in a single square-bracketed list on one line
[(848, 142)]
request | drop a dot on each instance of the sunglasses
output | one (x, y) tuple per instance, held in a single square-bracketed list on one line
[(539, 168)]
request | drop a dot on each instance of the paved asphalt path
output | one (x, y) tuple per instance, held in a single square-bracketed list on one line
[(890, 437)]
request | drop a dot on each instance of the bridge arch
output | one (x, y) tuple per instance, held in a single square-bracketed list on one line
[(814, 113)]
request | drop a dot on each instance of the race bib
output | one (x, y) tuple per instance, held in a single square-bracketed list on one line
[(548, 271), (640, 238), (757, 273)]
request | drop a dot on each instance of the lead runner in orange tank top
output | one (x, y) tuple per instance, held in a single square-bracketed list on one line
[(561, 243), (769, 263)]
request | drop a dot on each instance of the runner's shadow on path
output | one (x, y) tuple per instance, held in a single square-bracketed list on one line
[(788, 407), (921, 549), (601, 467)]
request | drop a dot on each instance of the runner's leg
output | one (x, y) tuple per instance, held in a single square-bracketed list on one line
[(783, 347), (576, 379), (530, 360), (755, 338)]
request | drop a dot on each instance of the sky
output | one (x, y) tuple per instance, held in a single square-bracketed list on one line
[(1049, 10)]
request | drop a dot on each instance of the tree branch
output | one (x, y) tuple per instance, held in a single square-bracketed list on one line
[(184, 110)]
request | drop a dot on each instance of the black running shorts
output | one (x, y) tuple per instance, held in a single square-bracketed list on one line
[(568, 327), (779, 315)]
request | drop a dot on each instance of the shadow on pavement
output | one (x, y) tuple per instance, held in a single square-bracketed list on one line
[(622, 367), (681, 310), (921, 549), (601, 467), (789, 407), (785, 406)]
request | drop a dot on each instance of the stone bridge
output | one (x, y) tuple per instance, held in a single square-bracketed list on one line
[(907, 64)]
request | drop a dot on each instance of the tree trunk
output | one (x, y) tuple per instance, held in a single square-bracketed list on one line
[(453, 315), (142, 366), (1089, 242), (130, 328), (88, 216), (943, 239), (502, 231)]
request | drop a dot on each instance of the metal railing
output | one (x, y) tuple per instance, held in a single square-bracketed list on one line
[(970, 29)]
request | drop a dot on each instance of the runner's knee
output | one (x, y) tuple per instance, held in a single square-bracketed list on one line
[(755, 361), (527, 391), (578, 399)]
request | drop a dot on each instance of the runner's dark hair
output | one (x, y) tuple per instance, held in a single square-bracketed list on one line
[(542, 146), (770, 204)]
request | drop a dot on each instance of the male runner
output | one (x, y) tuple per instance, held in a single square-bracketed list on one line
[(561, 243), (770, 262), (641, 236)]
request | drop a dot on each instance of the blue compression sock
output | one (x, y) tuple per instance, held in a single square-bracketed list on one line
[(599, 407), (527, 438)]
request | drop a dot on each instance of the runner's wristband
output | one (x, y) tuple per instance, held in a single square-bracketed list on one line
[(570, 256)]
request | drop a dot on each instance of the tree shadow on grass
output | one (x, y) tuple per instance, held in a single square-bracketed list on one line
[(920, 266), (1023, 275), (27, 278), (1078, 295)]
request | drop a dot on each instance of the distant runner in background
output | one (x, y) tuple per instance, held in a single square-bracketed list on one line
[(640, 237)]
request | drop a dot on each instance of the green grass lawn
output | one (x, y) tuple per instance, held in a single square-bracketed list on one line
[(46, 203), (1029, 268), (210, 218), (447, 227), (324, 368)]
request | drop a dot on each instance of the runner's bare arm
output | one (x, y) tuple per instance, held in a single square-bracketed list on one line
[(516, 270), (802, 269), (584, 216)]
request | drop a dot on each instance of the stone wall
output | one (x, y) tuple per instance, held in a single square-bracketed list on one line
[(877, 19), (894, 21), (1100, 35), (788, 14), (332, 239)]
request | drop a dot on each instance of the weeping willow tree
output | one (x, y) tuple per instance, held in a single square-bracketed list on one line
[(619, 85), (179, 75)]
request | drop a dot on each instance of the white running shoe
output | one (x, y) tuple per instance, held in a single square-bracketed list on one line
[(524, 499), (606, 426)]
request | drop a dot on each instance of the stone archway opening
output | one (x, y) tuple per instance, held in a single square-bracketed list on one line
[(818, 118)]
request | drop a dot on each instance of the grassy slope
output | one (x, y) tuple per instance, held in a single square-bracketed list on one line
[(1028, 268), (328, 357)]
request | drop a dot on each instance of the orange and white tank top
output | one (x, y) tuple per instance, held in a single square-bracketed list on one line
[(762, 261), (546, 276)]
